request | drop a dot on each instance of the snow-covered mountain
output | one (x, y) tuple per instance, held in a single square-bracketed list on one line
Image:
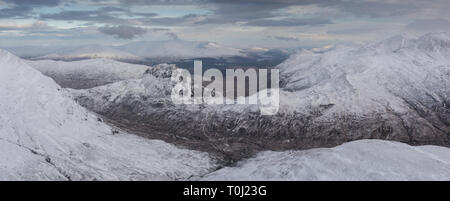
[(88, 52), (88, 73), (135, 51), (364, 160), (402, 83), (179, 49), (397, 89), (45, 135)]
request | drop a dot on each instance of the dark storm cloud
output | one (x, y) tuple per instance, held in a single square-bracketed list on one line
[(123, 31)]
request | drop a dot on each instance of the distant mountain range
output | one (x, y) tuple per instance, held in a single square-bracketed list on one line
[(174, 49)]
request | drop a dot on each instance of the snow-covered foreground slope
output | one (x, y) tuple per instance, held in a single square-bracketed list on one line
[(45, 135), (397, 89), (358, 160), (88, 73)]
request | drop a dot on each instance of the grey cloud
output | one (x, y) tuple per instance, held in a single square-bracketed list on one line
[(101, 15), (15, 12), (34, 2), (223, 11), (127, 11), (289, 22), (123, 31), (170, 21), (286, 38), (160, 29), (429, 25), (112, 9), (82, 16), (229, 11), (168, 32), (241, 10), (142, 14), (354, 30), (162, 2), (380, 8), (24, 8), (250, 12), (41, 26), (173, 36)]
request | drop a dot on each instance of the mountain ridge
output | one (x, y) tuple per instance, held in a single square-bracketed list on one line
[(328, 98), (133, 51)]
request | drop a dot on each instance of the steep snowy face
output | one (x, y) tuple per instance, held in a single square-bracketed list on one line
[(405, 77), (397, 89), (86, 74), (45, 135), (389, 71), (359, 160)]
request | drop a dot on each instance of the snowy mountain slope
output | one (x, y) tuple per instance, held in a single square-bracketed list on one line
[(385, 71), (397, 89), (144, 106), (45, 135), (407, 80), (88, 73), (359, 160)]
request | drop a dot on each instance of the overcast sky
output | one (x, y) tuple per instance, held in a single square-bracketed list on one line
[(237, 23)]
